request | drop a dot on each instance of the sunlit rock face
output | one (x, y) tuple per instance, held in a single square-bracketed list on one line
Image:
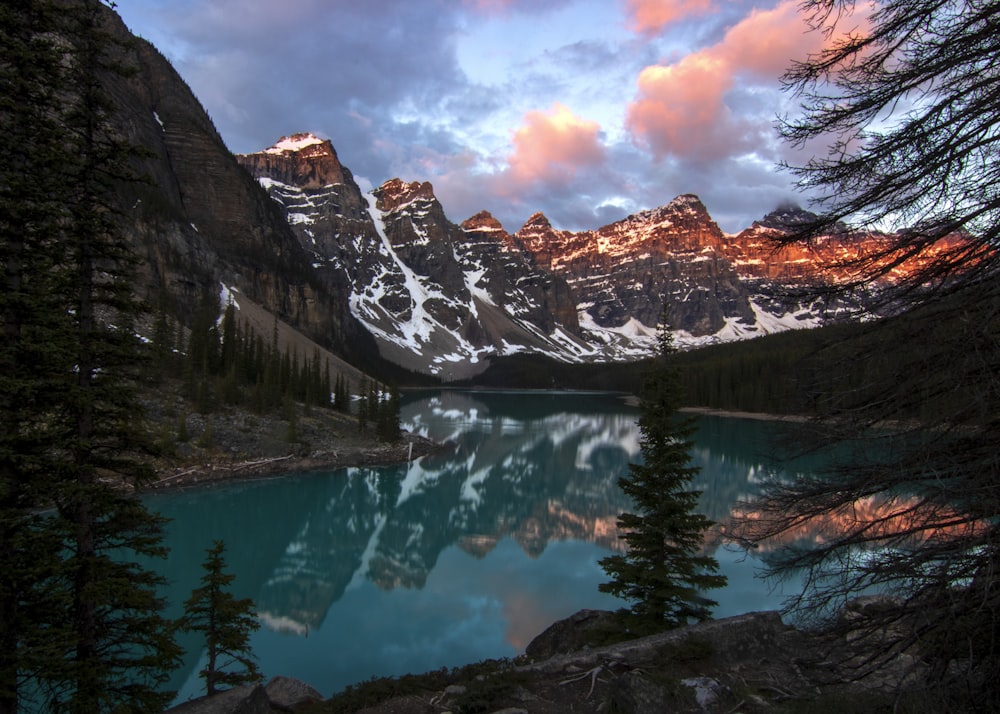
[(627, 270), (302, 160), (444, 298), (438, 297), (513, 281)]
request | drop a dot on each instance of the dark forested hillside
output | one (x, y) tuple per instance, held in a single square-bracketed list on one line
[(775, 374)]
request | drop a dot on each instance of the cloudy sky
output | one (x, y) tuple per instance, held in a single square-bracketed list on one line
[(587, 110)]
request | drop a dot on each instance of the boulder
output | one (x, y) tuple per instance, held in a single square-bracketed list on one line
[(291, 695), (249, 699), (281, 694), (568, 635)]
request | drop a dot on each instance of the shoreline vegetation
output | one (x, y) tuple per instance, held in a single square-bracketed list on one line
[(226, 463), (220, 470), (232, 444)]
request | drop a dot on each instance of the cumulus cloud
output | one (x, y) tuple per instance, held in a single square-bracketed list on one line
[(682, 109), (585, 109), (648, 16), (553, 145)]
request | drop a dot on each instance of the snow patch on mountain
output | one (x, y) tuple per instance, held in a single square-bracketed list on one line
[(414, 332), (295, 142), (445, 299)]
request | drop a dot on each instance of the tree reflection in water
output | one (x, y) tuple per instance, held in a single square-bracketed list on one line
[(458, 556)]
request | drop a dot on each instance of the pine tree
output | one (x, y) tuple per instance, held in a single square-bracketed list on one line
[(341, 394), (363, 405), (118, 649), (33, 349), (226, 623), (327, 397), (388, 417), (661, 572), (162, 340), (228, 349)]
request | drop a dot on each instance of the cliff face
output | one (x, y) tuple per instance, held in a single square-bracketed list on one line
[(516, 284), (300, 160), (437, 297), (200, 220), (628, 270)]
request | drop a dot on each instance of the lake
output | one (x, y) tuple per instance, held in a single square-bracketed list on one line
[(463, 555)]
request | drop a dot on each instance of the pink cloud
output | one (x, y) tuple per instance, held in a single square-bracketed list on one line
[(767, 41), (552, 145), (680, 109), (680, 105), (653, 15)]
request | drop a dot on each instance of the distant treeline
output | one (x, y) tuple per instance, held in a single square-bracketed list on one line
[(534, 371), (226, 363), (775, 373)]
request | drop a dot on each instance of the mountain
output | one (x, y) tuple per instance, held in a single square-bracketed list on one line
[(438, 297), (385, 273), (202, 226), (443, 298), (622, 273)]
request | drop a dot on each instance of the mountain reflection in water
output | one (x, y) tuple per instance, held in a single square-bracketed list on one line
[(458, 556)]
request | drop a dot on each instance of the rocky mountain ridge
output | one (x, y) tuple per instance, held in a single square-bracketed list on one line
[(387, 273), (444, 298), (201, 225)]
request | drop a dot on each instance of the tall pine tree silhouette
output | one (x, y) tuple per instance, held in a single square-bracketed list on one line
[(32, 350), (662, 572), (69, 365)]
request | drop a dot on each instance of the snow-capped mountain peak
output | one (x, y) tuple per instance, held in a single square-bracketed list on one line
[(293, 143), (444, 299)]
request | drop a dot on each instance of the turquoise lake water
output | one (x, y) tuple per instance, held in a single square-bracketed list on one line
[(460, 556)]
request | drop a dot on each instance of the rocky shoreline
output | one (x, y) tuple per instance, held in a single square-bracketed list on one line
[(219, 470), (230, 444), (747, 663), (761, 416)]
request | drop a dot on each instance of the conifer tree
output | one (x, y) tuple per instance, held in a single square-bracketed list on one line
[(341, 394), (82, 625), (122, 648), (228, 348), (363, 405), (162, 340), (662, 572), (326, 389), (32, 348), (388, 417), (226, 623)]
